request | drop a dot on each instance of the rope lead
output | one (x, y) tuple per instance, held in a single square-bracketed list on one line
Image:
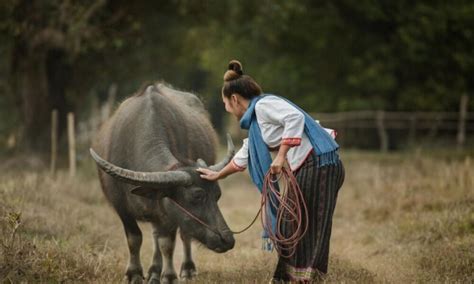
[(291, 212)]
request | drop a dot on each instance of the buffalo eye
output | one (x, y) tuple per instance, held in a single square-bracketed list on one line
[(199, 196)]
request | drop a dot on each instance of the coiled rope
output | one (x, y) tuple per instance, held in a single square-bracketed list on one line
[(286, 199)]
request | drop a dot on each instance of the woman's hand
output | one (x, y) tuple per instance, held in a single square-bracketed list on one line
[(277, 164), (208, 174)]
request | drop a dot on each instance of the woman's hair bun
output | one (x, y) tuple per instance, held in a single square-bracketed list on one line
[(234, 71), (236, 66)]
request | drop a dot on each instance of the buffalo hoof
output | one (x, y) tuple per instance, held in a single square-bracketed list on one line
[(169, 279), (188, 271), (153, 278), (135, 279)]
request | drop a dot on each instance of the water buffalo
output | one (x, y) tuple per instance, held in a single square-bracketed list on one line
[(147, 154)]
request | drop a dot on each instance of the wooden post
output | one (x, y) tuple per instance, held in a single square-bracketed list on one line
[(433, 132), (108, 107), (95, 117), (382, 132), (72, 144), (54, 141), (111, 97), (461, 137), (412, 130)]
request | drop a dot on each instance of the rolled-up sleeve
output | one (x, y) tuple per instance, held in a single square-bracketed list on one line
[(281, 112), (240, 160)]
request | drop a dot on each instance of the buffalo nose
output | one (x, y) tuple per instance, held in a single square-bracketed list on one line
[(228, 239)]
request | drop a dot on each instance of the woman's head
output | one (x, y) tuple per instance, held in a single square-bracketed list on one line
[(235, 82), (238, 89)]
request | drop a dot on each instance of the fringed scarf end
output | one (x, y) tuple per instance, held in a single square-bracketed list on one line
[(329, 158)]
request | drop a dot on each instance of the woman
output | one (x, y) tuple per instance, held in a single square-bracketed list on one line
[(276, 124)]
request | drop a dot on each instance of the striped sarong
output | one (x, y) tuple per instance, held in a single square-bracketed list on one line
[(320, 187)]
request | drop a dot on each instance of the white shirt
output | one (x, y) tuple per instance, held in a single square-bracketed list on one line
[(280, 123)]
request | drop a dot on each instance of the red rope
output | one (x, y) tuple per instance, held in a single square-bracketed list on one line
[(287, 200), (211, 228), (290, 210), (196, 218)]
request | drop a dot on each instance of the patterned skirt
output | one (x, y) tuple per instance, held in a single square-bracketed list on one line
[(320, 187)]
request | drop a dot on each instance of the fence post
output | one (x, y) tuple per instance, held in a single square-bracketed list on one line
[(54, 141), (108, 107), (433, 132), (382, 132), (412, 130), (112, 94), (461, 137), (72, 144)]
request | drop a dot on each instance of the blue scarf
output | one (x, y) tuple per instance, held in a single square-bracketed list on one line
[(259, 160)]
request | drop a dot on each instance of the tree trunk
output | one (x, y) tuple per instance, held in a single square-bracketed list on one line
[(31, 86), (58, 76), (39, 81)]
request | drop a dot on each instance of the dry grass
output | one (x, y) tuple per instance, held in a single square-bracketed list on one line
[(400, 218)]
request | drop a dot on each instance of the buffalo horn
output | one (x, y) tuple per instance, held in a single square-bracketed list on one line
[(201, 163), (150, 179), (230, 154)]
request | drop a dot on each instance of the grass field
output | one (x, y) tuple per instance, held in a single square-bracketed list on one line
[(401, 217)]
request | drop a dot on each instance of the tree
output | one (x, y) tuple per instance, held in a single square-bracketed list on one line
[(325, 55), (47, 39)]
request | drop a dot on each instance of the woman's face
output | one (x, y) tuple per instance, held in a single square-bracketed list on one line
[(233, 105)]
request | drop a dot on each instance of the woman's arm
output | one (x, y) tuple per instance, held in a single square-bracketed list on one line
[(237, 164), (213, 176), (280, 159), (277, 111)]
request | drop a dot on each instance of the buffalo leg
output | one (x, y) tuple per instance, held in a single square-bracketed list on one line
[(188, 269), (134, 239), (154, 272), (166, 243)]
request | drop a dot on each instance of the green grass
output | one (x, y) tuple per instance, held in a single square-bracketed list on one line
[(400, 217)]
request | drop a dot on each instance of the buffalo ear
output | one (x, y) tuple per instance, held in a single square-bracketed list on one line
[(151, 193)]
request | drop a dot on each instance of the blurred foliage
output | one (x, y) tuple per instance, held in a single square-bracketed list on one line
[(324, 55)]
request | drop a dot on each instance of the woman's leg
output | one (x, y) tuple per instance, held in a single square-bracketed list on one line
[(280, 273), (319, 187)]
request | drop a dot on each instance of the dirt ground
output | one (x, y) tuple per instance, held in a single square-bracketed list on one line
[(401, 217)]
